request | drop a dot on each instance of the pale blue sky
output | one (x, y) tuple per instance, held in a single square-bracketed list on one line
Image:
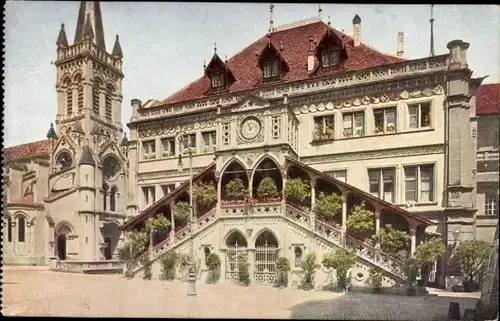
[(164, 44)]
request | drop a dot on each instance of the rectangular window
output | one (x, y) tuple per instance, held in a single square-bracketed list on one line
[(218, 80), (168, 146), (167, 189), (149, 149), (270, 68), (340, 175), (491, 204), (330, 58), (419, 183), (149, 195), (189, 142), (419, 115), (209, 141), (382, 182), (276, 130), (385, 120), (226, 133), (324, 126), (354, 124)]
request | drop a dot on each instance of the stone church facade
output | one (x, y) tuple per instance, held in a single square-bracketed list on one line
[(304, 101)]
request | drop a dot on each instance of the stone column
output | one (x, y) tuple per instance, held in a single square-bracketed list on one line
[(377, 221), (313, 202), (413, 244), (344, 220), (150, 248), (172, 226), (251, 266), (250, 183)]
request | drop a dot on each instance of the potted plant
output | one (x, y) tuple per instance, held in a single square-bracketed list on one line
[(169, 263), (182, 210), (426, 254), (379, 129), (391, 240), (213, 263), (158, 223), (361, 220), (472, 257), (328, 205), (375, 278), (298, 191), (243, 265), (236, 190), (309, 267), (347, 133), (410, 269), (391, 128), (360, 132), (341, 261), (283, 267), (329, 132), (205, 194), (267, 190)]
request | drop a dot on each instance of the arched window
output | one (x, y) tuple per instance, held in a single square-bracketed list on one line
[(298, 255), (110, 167), (21, 229), (9, 229), (105, 196), (69, 98), (112, 199), (206, 250), (78, 81), (96, 96), (64, 160), (109, 100)]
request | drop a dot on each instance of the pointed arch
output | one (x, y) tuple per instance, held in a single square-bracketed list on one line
[(21, 219), (111, 167), (234, 169), (105, 189), (63, 227), (108, 101), (96, 94), (112, 198), (266, 236), (77, 76), (235, 236), (266, 167), (7, 220)]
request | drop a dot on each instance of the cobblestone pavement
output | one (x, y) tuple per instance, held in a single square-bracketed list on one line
[(45, 293)]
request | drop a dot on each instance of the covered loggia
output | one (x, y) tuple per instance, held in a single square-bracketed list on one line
[(234, 183), (267, 181)]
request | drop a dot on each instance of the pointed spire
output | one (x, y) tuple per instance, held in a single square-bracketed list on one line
[(271, 22), (329, 22), (215, 48), (62, 40), (88, 32), (124, 141), (319, 11), (356, 20), (51, 134), (90, 10), (117, 49), (432, 30), (87, 158)]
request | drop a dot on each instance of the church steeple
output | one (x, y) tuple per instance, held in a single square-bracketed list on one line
[(62, 41), (89, 15), (117, 49)]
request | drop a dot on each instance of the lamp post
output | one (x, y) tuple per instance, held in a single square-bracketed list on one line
[(192, 271)]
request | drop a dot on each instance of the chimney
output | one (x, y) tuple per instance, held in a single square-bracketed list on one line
[(136, 104), (356, 23), (310, 55), (458, 54), (400, 44)]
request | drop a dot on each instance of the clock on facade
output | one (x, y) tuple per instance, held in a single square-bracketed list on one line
[(250, 127)]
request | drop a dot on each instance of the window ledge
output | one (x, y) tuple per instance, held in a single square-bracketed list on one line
[(317, 140), (388, 134), (486, 216), (418, 204)]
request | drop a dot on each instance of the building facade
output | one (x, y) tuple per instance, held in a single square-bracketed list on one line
[(65, 197)]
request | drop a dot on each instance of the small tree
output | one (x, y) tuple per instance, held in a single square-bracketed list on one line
[(182, 211), (283, 267), (267, 189), (147, 270), (236, 189), (410, 269), (341, 261), (361, 219), (472, 258), (392, 240), (169, 262), (328, 206), (135, 243), (205, 194), (298, 190), (309, 266), (427, 253), (213, 263), (243, 274), (375, 278)]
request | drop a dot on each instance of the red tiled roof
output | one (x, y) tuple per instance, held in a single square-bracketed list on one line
[(488, 99), (26, 200), (295, 51), (35, 149)]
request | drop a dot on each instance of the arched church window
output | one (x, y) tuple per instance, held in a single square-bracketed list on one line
[(69, 98), (111, 167), (63, 161), (9, 229), (112, 199), (109, 100), (105, 196), (21, 229), (96, 96), (298, 255)]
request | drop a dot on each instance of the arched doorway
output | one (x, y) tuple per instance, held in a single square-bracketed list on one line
[(266, 254), (108, 255), (111, 235), (61, 247), (235, 244)]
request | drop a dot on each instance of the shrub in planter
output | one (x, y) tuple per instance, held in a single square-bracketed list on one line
[(243, 265), (283, 267), (182, 211), (236, 190), (169, 262), (328, 205), (472, 257), (375, 279), (213, 263), (341, 261), (309, 267), (298, 191), (267, 190), (361, 219), (205, 194), (426, 254), (158, 223), (392, 240)]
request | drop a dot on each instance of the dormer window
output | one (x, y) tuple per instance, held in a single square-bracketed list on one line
[(330, 58), (271, 68), (221, 77), (272, 64), (330, 52), (218, 80)]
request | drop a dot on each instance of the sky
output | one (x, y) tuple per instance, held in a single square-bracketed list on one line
[(165, 44)]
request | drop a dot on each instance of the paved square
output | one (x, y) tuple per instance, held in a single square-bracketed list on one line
[(45, 293)]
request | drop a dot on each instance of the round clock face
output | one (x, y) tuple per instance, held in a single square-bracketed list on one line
[(250, 128)]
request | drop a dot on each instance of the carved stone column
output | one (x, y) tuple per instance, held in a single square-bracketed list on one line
[(250, 183), (344, 220), (219, 193), (313, 202), (377, 221), (172, 226), (413, 242)]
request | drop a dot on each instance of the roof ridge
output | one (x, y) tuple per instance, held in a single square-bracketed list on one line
[(25, 144), (296, 24)]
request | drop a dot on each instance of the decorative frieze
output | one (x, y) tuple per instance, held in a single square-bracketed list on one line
[(350, 79), (177, 125), (165, 174), (384, 153)]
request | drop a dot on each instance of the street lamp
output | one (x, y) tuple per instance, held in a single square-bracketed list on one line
[(192, 271)]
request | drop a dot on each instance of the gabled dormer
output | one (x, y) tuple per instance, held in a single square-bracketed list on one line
[(221, 77), (330, 52), (272, 64)]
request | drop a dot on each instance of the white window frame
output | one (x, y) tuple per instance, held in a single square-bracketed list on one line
[(419, 183), (149, 149), (354, 130), (336, 175), (212, 141), (185, 140), (385, 129), (270, 68), (218, 80), (418, 114), (323, 123), (170, 151), (381, 183), (491, 204)]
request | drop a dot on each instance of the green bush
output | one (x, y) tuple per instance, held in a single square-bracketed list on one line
[(341, 261), (267, 189), (328, 206), (169, 263), (309, 267), (298, 190), (213, 263), (158, 223), (205, 194), (243, 265), (236, 189), (147, 272), (472, 256), (283, 266), (392, 240), (375, 278), (182, 210), (361, 219)]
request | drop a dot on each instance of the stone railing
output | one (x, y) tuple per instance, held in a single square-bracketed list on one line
[(88, 266), (271, 208), (87, 47), (234, 209), (329, 232), (402, 69), (297, 215)]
